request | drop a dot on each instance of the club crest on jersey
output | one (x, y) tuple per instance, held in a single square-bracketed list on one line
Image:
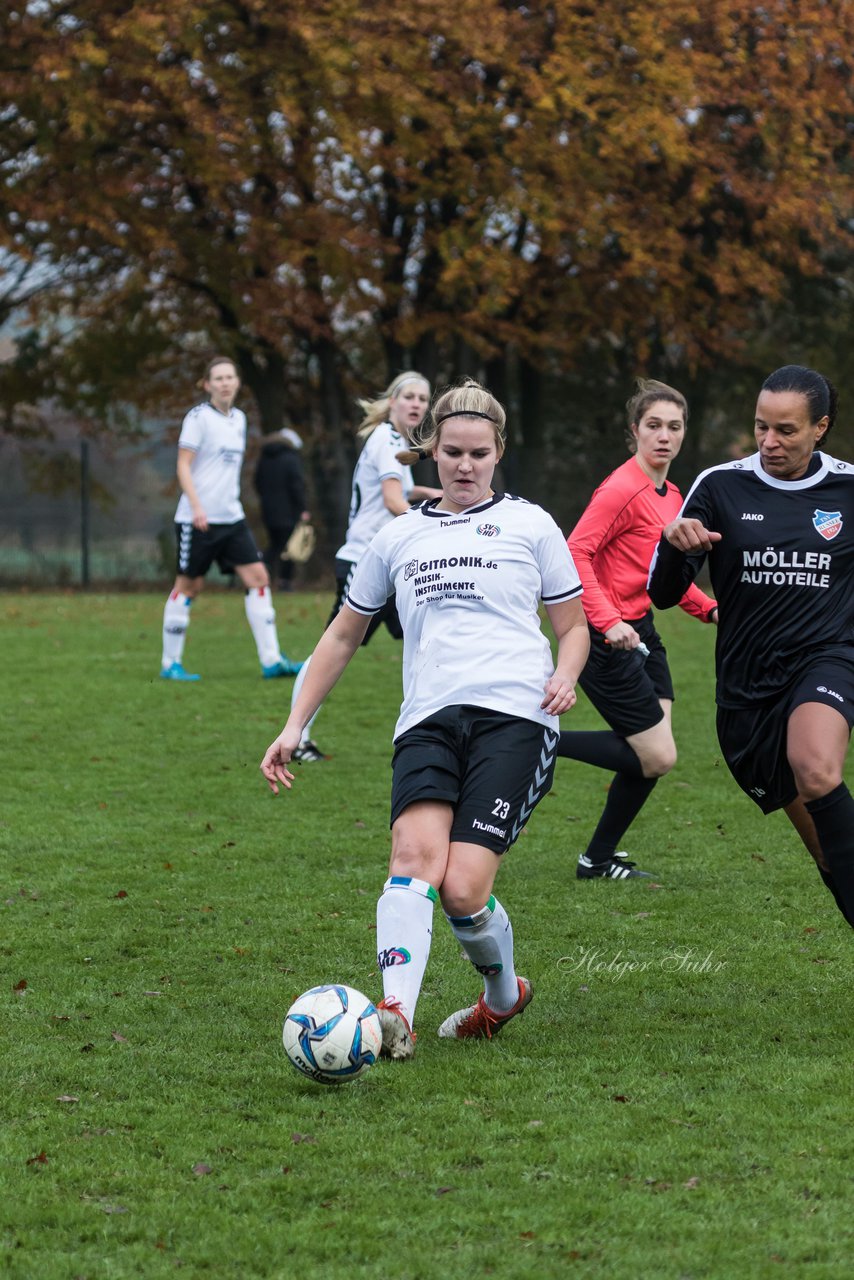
[(488, 530), (827, 523), (410, 568)]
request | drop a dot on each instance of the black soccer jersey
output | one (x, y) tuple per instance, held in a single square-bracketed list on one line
[(782, 573)]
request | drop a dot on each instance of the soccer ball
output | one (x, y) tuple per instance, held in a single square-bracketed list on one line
[(332, 1034)]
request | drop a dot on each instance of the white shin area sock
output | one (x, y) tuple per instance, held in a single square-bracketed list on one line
[(176, 619), (487, 939), (404, 916), (298, 684), (262, 619)]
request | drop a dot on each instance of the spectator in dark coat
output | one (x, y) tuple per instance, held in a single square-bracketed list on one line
[(280, 484)]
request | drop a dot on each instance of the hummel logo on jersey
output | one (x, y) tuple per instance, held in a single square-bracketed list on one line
[(822, 688), (827, 523), (752, 515)]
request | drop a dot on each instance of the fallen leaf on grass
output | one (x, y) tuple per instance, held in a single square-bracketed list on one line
[(691, 1184), (120, 1038), (619, 1097), (67, 1097), (443, 1191), (41, 1158), (201, 1169), (20, 986), (122, 893), (302, 1137)]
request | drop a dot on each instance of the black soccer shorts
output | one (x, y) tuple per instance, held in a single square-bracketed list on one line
[(492, 768), (624, 685), (753, 738), (227, 544), (344, 570)]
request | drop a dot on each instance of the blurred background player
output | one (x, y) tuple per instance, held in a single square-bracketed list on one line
[(627, 677), (211, 526), (383, 488), (778, 530), (280, 484), (475, 741)]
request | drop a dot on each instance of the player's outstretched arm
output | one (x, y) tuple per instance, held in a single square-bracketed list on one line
[(334, 650), (689, 535), (677, 560)]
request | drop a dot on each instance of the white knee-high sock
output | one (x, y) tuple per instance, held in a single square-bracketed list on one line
[(487, 939), (404, 934), (298, 684), (176, 619), (262, 619)]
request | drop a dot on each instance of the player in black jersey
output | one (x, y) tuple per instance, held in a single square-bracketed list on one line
[(778, 530)]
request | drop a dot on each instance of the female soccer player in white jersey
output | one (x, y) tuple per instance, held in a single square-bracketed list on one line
[(475, 741), (210, 525), (627, 677), (778, 529), (383, 488)]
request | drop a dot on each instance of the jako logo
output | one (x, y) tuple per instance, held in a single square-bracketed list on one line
[(750, 515), (488, 530), (392, 956), (822, 688)]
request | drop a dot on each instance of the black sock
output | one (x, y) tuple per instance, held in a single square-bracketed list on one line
[(602, 747), (833, 816), (625, 800), (830, 884)]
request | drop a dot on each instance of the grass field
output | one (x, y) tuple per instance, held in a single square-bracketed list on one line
[(676, 1103)]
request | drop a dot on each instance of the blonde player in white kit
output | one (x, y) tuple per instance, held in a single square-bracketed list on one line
[(382, 488), (478, 729), (210, 525)]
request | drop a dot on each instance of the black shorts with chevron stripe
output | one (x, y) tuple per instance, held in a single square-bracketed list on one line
[(492, 768)]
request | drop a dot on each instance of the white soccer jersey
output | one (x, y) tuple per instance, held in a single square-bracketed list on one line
[(468, 587), (368, 512), (219, 441)]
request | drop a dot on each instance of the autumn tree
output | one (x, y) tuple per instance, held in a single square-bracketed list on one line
[(556, 196)]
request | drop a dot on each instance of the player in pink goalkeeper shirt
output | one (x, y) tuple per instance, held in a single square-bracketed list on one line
[(627, 677)]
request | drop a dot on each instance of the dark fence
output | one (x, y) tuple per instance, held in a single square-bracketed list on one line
[(77, 511)]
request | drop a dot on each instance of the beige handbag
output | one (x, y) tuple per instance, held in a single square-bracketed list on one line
[(300, 545)]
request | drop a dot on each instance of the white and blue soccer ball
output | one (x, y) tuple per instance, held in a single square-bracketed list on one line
[(332, 1034)]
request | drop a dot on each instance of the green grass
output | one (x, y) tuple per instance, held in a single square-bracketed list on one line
[(676, 1103)]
